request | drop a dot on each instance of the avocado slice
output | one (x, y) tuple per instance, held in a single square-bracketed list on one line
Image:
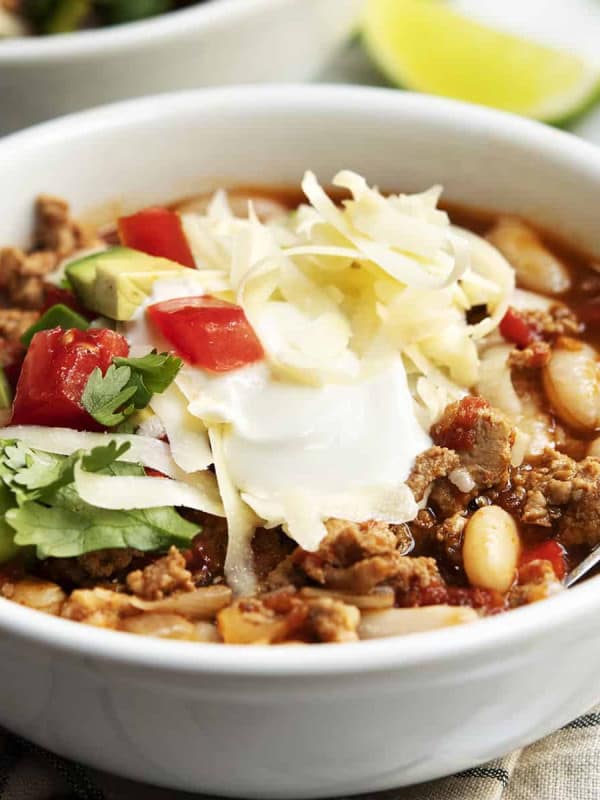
[(58, 316), (115, 282)]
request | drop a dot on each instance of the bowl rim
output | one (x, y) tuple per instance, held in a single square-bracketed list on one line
[(509, 631), (25, 50), (501, 632)]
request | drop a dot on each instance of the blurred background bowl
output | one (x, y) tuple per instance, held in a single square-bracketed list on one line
[(215, 42)]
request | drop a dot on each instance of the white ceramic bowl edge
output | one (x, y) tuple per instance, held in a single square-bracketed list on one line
[(213, 43)]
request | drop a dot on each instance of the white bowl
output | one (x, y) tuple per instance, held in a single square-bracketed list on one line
[(215, 42), (300, 722)]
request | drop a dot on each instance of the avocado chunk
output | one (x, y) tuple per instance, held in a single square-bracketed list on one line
[(58, 316), (116, 282), (5, 391)]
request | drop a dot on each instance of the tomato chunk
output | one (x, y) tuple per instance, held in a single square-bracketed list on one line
[(55, 372), (157, 232), (550, 551), (457, 428), (516, 330), (207, 332)]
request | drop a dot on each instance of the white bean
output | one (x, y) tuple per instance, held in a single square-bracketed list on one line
[(572, 383), (401, 621), (206, 632), (537, 268), (383, 597), (491, 549)]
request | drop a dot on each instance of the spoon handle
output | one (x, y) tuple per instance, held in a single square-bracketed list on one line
[(582, 569)]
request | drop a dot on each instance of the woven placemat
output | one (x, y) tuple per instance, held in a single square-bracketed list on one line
[(564, 766)]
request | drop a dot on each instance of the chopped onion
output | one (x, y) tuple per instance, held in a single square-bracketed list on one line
[(401, 621), (462, 479), (187, 435), (379, 598), (202, 603), (495, 381), (126, 492), (241, 523)]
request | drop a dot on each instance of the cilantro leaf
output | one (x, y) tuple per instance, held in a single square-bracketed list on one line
[(40, 506), (63, 531), (99, 458), (28, 474), (158, 370), (128, 386), (104, 395), (37, 475)]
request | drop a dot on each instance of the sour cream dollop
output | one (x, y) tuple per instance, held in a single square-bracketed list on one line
[(327, 439)]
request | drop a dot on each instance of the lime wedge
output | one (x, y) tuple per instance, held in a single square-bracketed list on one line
[(425, 45)]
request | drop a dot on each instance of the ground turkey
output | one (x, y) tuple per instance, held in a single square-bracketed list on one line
[(481, 436)]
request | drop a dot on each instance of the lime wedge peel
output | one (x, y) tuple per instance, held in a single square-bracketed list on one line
[(426, 46)]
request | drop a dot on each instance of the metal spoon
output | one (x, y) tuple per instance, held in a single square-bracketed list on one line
[(582, 569)]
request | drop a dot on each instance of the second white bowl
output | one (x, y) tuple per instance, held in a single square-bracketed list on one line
[(215, 42)]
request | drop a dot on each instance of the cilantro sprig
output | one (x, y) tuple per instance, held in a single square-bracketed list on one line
[(128, 386), (41, 507)]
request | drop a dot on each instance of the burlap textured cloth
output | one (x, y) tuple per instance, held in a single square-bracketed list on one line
[(564, 766)]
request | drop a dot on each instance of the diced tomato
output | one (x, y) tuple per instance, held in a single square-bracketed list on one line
[(550, 551), (207, 332), (55, 371), (517, 330), (157, 232), (456, 430)]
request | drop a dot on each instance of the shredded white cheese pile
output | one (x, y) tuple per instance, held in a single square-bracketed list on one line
[(331, 291)]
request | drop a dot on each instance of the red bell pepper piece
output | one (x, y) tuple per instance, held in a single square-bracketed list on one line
[(550, 551), (207, 332), (157, 232), (53, 295), (54, 374), (516, 330), (154, 473)]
